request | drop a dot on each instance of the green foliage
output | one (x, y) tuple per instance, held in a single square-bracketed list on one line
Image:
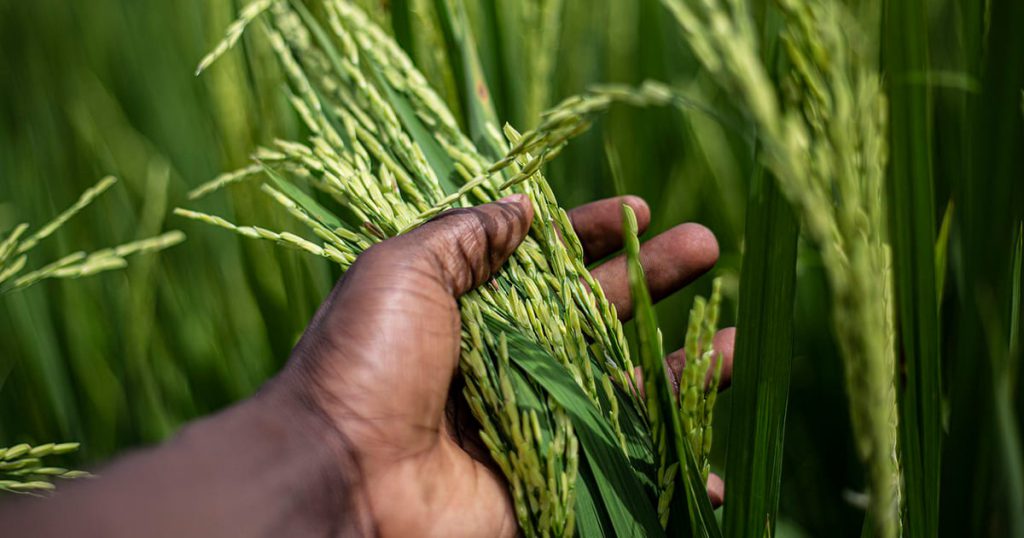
[(761, 390), (825, 144), (124, 358), (977, 477), (365, 107), (912, 230)]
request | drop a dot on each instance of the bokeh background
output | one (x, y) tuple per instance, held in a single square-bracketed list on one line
[(120, 360)]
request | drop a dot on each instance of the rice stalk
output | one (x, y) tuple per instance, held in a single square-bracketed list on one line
[(14, 250), (823, 135), (825, 139), (22, 469), (700, 376), (558, 414)]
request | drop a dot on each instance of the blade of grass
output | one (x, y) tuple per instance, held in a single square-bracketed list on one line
[(1009, 431), (590, 519), (763, 358), (1017, 286), (912, 231), (401, 23), (942, 251), (474, 92), (302, 199), (990, 203)]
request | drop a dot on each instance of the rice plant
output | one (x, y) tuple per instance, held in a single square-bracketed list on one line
[(824, 139), (14, 249), (21, 465), (547, 367), (825, 142), (776, 99)]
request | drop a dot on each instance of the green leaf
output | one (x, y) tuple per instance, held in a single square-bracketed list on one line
[(1006, 415), (304, 200), (990, 135), (629, 508), (941, 252), (763, 359), (401, 23), (474, 93), (590, 519), (702, 516), (911, 193), (1016, 285)]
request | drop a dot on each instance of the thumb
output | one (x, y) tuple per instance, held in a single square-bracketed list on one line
[(462, 248)]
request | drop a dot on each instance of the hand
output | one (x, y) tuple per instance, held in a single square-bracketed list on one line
[(379, 358)]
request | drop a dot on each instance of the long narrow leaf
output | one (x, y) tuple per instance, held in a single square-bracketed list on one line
[(763, 359), (989, 208), (1006, 416), (473, 89), (912, 232), (942, 252)]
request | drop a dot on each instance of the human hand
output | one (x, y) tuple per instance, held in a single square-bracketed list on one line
[(378, 360)]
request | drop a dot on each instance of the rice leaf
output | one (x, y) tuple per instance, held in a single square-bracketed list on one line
[(941, 252), (702, 517), (1006, 414), (912, 235), (989, 209), (474, 93), (629, 508), (763, 359), (304, 200), (1016, 287), (591, 520), (401, 23)]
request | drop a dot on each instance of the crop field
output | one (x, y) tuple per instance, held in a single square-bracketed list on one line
[(181, 184)]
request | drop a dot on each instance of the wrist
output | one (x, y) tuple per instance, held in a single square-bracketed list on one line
[(328, 491)]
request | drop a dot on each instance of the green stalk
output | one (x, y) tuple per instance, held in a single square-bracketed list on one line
[(662, 408)]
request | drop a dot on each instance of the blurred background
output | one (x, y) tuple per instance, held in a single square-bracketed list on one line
[(122, 359)]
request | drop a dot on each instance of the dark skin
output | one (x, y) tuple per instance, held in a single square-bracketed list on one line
[(357, 435)]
